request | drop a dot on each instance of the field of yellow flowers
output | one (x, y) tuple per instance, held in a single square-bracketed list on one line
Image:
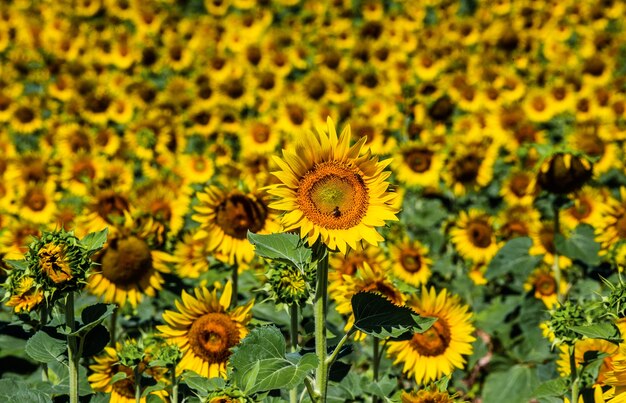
[(312, 201)]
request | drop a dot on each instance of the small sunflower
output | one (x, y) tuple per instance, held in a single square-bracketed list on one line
[(519, 188), (192, 257), (430, 395), (544, 286), (225, 218), (411, 262), (517, 221), (205, 330), (26, 295), (418, 164), (587, 208), (543, 244), (437, 352), (474, 236), (333, 192)]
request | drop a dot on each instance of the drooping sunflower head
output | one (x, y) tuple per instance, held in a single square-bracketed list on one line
[(333, 191), (205, 329)]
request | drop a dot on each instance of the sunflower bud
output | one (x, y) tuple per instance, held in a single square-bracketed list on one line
[(289, 284), (131, 354), (564, 317), (564, 173)]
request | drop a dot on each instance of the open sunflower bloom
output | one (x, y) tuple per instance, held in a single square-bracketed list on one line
[(332, 191)]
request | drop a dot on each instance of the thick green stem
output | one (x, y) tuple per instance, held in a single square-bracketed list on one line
[(137, 384), (556, 270), (72, 348), (319, 311), (293, 340), (113, 328), (174, 397), (375, 362), (233, 301), (573, 374)]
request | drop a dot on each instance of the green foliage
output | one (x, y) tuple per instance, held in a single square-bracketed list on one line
[(18, 391), (580, 245), (44, 348), (379, 317), (94, 241), (286, 248), (516, 385), (513, 258), (604, 331), (553, 388), (260, 362)]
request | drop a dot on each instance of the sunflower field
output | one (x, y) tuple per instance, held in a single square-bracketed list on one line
[(312, 201)]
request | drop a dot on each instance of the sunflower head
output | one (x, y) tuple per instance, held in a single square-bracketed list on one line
[(564, 173), (332, 191), (23, 293)]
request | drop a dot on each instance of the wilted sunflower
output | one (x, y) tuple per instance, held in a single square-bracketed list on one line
[(474, 236), (225, 218), (130, 265), (332, 191), (438, 351), (205, 330)]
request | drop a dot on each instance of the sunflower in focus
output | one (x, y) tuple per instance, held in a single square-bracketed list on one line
[(411, 262), (333, 192), (205, 330), (130, 265), (225, 218), (474, 236), (438, 351)]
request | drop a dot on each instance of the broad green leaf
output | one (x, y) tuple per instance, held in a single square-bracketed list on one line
[(552, 388), (604, 331), (62, 383), (379, 317), (100, 398), (94, 241), (381, 388), (42, 347), (580, 245), (513, 257), (513, 386), (17, 391), (201, 384), (285, 247), (260, 363), (12, 346), (91, 317), (21, 265)]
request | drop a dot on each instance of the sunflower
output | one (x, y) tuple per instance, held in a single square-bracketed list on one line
[(516, 221), (544, 285), (107, 365), (205, 330), (411, 262), (38, 201), (348, 265), (543, 244), (332, 191), (25, 296), (519, 188), (105, 208), (470, 165), (225, 218), (437, 352), (587, 208), (17, 235), (418, 164), (612, 228), (474, 236), (192, 257), (129, 266), (368, 279), (581, 348), (431, 395), (195, 168)]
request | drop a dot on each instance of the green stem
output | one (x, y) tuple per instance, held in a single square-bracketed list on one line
[(113, 328), (137, 384), (72, 348), (331, 359), (573, 374), (556, 270), (293, 340), (313, 394), (319, 311), (375, 354), (174, 397), (233, 301)]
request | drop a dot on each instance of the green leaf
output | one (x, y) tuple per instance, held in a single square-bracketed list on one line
[(285, 247), (91, 317), (153, 388), (17, 391), (260, 363), (604, 331), (552, 388), (381, 388), (118, 377), (10, 345), (379, 317), (20, 265), (94, 241), (201, 384), (513, 257), (513, 386), (580, 245), (42, 347)]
